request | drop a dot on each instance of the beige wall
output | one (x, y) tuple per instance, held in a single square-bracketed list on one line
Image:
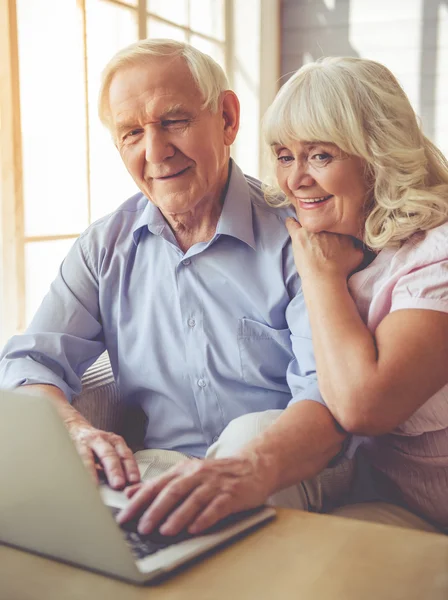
[(408, 36)]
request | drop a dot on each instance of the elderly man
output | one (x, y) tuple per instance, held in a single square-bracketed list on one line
[(190, 286)]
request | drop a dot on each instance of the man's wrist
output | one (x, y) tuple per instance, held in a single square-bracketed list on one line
[(264, 466)]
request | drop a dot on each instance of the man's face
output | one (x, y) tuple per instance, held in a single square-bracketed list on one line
[(176, 152)]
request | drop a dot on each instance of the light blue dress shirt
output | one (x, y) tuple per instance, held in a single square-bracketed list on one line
[(197, 338)]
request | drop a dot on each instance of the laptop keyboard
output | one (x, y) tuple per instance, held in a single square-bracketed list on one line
[(145, 545)]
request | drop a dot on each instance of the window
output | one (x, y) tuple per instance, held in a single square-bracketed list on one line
[(59, 169)]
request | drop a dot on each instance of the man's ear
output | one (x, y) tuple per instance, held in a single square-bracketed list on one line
[(230, 107)]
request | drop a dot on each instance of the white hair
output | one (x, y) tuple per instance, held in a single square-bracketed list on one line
[(359, 106), (208, 75)]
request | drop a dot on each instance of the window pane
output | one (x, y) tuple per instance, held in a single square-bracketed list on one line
[(116, 27), (158, 29), (53, 117), (42, 260), (173, 10), (215, 50), (207, 16)]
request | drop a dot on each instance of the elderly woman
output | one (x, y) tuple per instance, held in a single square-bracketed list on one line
[(371, 246)]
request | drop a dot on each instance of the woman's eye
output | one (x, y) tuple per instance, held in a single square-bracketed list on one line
[(284, 159), (321, 157)]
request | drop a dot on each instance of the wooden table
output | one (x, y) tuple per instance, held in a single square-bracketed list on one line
[(299, 556)]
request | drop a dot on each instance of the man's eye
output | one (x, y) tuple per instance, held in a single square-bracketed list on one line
[(132, 133), (174, 123)]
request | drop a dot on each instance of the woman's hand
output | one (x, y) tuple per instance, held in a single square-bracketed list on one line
[(323, 253), (196, 494)]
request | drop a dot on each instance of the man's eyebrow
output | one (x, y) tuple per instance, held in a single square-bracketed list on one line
[(174, 111), (123, 125)]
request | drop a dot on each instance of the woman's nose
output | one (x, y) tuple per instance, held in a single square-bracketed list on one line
[(300, 176)]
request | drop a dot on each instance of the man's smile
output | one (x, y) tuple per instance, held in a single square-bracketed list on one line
[(171, 175)]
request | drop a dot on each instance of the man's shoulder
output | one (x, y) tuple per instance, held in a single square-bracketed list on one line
[(259, 193), (118, 224)]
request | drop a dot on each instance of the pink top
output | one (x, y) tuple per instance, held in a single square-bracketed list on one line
[(414, 457)]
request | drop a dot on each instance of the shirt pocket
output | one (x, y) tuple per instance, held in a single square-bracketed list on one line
[(265, 354)]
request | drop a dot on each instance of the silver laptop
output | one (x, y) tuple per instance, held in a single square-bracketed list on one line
[(49, 504)]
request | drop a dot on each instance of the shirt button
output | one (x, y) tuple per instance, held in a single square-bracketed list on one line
[(202, 383), (186, 262), (215, 438), (191, 322)]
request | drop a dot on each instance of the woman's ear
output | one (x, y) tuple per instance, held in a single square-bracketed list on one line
[(230, 107)]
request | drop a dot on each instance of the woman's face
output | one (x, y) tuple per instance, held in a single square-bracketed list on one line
[(327, 187)]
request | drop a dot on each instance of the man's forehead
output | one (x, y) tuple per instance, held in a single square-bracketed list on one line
[(158, 73), (161, 88)]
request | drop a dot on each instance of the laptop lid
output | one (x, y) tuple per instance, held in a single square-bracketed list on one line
[(48, 503)]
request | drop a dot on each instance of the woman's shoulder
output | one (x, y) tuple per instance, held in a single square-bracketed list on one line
[(424, 248)]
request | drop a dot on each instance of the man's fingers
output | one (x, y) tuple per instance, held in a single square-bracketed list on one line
[(110, 460), (141, 495), (88, 459), (187, 512), (172, 495), (128, 461), (138, 500), (131, 490), (219, 508)]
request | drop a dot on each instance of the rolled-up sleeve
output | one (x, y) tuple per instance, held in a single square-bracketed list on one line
[(65, 337)]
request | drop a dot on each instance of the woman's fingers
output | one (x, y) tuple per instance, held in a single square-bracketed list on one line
[(292, 225)]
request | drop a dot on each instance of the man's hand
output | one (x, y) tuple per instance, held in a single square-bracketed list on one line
[(107, 450), (196, 494), (96, 447)]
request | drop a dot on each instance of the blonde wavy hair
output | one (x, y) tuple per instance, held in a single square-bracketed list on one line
[(359, 105), (208, 75)]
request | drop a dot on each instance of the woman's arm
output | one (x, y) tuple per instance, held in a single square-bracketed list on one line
[(371, 383)]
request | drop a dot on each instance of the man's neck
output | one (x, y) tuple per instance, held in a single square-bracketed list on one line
[(200, 224), (196, 226)]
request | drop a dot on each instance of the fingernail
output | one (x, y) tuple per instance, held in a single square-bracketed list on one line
[(134, 477), (119, 517), (145, 527), (166, 529), (117, 481), (193, 529)]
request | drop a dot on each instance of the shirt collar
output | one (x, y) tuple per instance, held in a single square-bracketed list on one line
[(236, 216), (151, 218), (235, 219)]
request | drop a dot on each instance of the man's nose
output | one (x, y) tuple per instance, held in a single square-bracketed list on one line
[(300, 176), (157, 145)]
